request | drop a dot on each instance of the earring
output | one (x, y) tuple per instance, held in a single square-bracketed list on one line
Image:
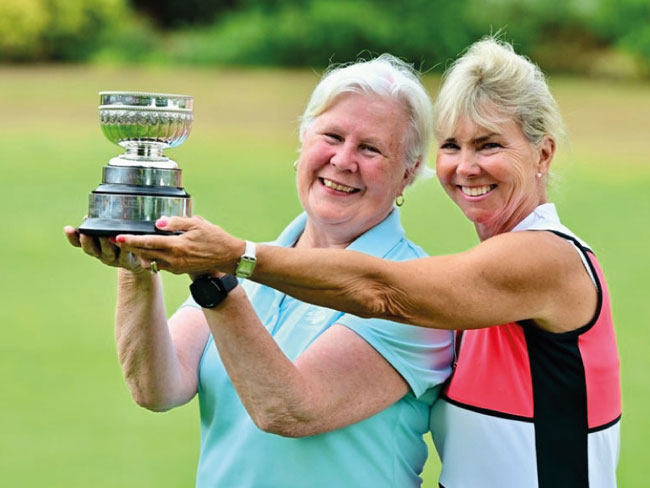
[(295, 165), (399, 201), (539, 175)]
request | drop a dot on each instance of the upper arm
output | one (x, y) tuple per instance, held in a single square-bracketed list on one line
[(189, 332), (346, 380), (359, 367), (510, 277)]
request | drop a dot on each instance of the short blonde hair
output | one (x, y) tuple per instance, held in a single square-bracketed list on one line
[(388, 77), (491, 83)]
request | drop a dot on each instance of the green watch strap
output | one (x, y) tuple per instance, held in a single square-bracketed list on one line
[(247, 262)]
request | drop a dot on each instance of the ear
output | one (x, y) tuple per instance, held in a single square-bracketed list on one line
[(409, 173), (546, 152)]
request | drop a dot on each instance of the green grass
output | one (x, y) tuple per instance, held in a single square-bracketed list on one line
[(67, 419)]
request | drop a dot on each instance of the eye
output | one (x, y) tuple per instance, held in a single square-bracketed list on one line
[(450, 146), (369, 148), (333, 137), (490, 145)]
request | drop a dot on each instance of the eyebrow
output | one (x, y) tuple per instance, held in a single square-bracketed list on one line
[(477, 140), (372, 141)]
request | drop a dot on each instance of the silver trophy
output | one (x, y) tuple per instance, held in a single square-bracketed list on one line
[(141, 185)]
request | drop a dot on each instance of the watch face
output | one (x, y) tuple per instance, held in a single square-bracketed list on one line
[(207, 292)]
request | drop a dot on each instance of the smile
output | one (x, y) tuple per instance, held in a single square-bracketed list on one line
[(477, 191), (337, 186)]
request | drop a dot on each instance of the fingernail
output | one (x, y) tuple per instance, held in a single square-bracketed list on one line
[(161, 222), (120, 239)]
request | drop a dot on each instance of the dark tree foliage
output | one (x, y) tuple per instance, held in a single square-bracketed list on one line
[(177, 13)]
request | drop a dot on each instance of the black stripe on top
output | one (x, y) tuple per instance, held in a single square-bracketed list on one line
[(560, 398)]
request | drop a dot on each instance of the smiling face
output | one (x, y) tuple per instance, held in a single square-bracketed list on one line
[(352, 167), (492, 175)]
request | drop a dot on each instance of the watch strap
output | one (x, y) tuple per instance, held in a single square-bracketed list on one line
[(247, 261)]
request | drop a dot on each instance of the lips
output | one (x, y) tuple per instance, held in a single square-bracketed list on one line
[(333, 185), (476, 191)]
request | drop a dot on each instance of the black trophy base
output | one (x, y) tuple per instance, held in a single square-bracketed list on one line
[(113, 227)]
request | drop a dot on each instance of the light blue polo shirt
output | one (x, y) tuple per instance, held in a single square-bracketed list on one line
[(385, 450)]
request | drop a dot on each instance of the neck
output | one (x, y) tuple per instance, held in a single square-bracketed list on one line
[(314, 237), (485, 230)]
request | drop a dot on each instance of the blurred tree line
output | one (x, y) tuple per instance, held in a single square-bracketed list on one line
[(607, 37)]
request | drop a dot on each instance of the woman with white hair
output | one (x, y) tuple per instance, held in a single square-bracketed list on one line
[(291, 394), (534, 400)]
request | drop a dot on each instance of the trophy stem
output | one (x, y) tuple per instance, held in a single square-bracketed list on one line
[(144, 151), (145, 155)]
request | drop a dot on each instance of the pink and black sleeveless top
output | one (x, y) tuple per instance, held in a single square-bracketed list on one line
[(530, 408)]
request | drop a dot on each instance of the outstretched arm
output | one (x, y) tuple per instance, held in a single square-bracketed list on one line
[(510, 277)]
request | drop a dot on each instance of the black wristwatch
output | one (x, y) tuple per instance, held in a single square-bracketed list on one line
[(209, 291)]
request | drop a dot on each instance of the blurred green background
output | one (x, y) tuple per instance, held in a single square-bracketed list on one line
[(67, 419)]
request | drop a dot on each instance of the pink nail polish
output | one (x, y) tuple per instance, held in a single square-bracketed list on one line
[(120, 239), (161, 223)]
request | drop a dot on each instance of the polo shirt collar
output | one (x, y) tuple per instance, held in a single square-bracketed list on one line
[(377, 241)]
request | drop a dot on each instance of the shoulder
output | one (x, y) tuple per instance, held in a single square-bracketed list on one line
[(535, 245), (544, 269), (537, 253)]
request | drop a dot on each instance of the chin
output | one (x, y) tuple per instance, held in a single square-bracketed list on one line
[(329, 217), (477, 217)]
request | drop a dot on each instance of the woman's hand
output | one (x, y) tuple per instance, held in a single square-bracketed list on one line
[(201, 247), (104, 250)]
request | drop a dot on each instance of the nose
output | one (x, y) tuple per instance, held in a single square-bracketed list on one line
[(344, 158), (467, 164)]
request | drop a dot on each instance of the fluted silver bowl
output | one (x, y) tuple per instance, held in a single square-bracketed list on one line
[(144, 124)]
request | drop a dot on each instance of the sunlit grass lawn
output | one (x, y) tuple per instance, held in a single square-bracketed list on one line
[(67, 418)]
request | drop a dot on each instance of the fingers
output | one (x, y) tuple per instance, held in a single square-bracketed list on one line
[(72, 235), (90, 245), (152, 241), (161, 264), (108, 250), (177, 224), (97, 247), (144, 242), (145, 254)]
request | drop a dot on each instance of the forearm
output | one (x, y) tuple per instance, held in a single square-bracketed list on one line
[(348, 281), (410, 292), (270, 386), (145, 349)]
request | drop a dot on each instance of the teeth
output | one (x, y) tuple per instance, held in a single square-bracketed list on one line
[(476, 190), (336, 186)]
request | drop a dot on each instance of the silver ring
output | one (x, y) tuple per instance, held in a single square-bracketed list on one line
[(154, 266)]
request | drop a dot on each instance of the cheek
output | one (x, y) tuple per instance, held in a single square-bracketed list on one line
[(519, 175), (304, 176), (386, 181), (444, 172)]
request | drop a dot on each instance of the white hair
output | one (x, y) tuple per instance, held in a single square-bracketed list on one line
[(388, 77), (491, 83)]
